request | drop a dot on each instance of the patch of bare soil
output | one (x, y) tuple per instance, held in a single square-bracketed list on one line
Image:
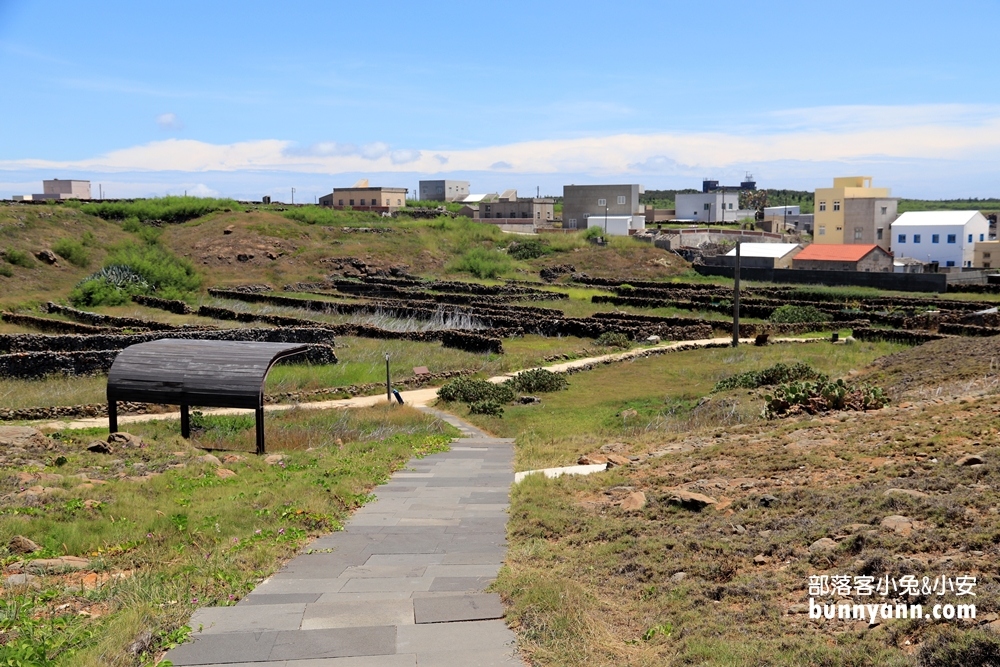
[(952, 366)]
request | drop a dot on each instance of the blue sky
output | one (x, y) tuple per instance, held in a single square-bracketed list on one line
[(252, 98)]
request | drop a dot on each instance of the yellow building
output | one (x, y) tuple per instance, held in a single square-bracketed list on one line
[(983, 254), (852, 211)]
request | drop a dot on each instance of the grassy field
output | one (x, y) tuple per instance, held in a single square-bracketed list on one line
[(589, 582), (670, 395), (166, 531)]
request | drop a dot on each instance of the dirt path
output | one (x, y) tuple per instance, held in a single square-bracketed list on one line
[(418, 397)]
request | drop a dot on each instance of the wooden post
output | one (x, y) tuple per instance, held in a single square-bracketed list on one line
[(259, 413), (185, 422), (112, 416), (736, 298), (388, 383)]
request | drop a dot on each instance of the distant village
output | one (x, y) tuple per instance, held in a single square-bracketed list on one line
[(855, 227)]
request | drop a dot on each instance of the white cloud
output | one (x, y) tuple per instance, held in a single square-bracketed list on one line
[(827, 140), (169, 121)]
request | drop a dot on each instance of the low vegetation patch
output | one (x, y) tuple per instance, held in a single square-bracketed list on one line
[(18, 258), (483, 263), (137, 268), (538, 380), (528, 249), (823, 395), (614, 339), (160, 209), (791, 314), (72, 251), (771, 375)]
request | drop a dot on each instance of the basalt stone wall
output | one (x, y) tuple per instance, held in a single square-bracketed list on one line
[(974, 289), (49, 325), (895, 336), (72, 411), (967, 330), (97, 319), (169, 305), (471, 342), (28, 365), (17, 343)]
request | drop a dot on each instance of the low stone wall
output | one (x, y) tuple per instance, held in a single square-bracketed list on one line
[(471, 342), (72, 411), (895, 335), (97, 319), (170, 305), (967, 330), (16, 343), (48, 325)]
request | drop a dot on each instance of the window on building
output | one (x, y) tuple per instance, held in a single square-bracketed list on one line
[(878, 234), (822, 230), (399, 202), (572, 223), (982, 237), (901, 238), (858, 231), (949, 263), (822, 206), (538, 215), (836, 206), (602, 202), (621, 200), (730, 206), (935, 238), (952, 238), (885, 209), (352, 202), (986, 265), (341, 203), (708, 207), (970, 238), (916, 238)]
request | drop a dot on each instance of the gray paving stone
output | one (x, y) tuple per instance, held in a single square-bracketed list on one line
[(255, 598), (360, 613), (405, 559), (467, 636), (373, 571), (284, 585), (450, 609), (331, 598), (464, 570), (387, 584), (464, 584), (398, 660), (334, 643), (473, 558), (255, 618), (224, 649), (505, 657)]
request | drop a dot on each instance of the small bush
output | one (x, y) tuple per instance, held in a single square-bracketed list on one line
[(774, 375), (18, 258), (593, 232), (614, 339), (162, 209), (491, 408), (72, 251), (822, 396), (6, 271), (469, 390), (538, 380), (483, 263), (790, 314), (134, 268), (529, 249)]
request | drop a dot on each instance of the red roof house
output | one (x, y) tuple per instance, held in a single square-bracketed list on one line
[(843, 257)]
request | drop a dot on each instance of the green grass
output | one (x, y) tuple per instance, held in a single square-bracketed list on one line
[(18, 258), (157, 271), (161, 209), (72, 251), (665, 392), (187, 538)]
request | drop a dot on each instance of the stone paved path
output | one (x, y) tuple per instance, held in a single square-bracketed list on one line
[(402, 585)]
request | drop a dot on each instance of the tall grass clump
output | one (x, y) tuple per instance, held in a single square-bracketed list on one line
[(160, 209), (320, 215), (137, 268), (72, 251), (794, 314), (482, 263), (18, 258)]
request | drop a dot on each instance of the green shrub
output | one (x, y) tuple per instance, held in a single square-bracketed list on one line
[(160, 209), (822, 395), (529, 249), (72, 251), (134, 268), (538, 380), (483, 263), (791, 314), (18, 258), (614, 339), (469, 390), (773, 375), (6, 271), (486, 408), (593, 232)]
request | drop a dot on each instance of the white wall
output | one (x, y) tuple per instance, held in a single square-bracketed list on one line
[(692, 206), (960, 252)]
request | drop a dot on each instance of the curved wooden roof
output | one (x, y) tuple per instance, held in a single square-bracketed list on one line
[(210, 373)]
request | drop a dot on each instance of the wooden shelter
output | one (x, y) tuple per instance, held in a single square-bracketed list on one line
[(206, 373)]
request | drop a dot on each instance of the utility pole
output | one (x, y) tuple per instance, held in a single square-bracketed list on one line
[(736, 298), (605, 222)]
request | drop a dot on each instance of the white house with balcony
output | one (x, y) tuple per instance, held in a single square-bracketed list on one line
[(946, 237)]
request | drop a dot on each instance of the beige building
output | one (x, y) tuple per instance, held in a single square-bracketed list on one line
[(853, 212), (59, 189), (983, 255), (509, 206), (361, 196), (582, 202)]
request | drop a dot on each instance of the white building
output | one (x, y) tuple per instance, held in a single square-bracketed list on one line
[(711, 207), (443, 190), (945, 237), (780, 211), (775, 255), (617, 225)]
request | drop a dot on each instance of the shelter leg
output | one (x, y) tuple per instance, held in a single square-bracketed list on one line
[(260, 430), (185, 422), (112, 416)]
